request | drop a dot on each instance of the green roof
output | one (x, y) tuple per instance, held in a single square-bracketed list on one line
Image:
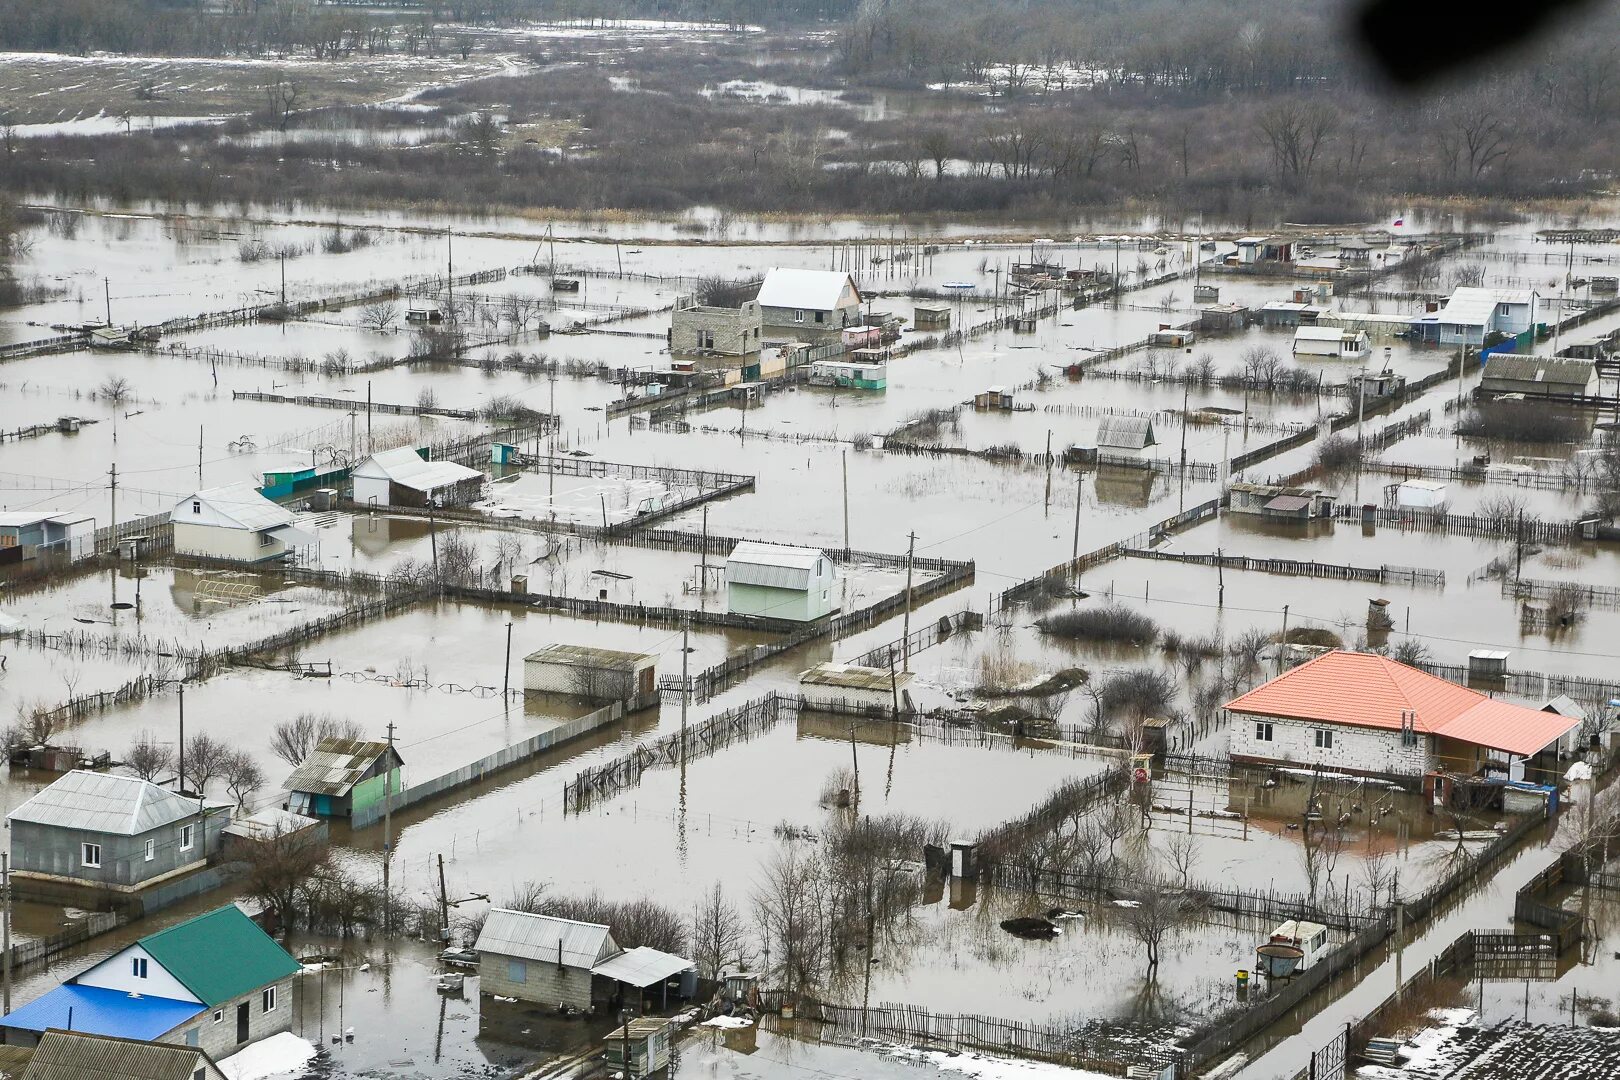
[(220, 956)]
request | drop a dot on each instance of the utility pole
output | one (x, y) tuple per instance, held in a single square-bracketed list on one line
[(368, 416), (846, 500), (284, 283), (444, 905), (905, 632), (703, 582), (1220, 579), (180, 784), (1282, 650), (1074, 559), (894, 688), (106, 288), (686, 687), (506, 668), (433, 540), (5, 931), (1186, 388), (199, 456), (388, 821), (113, 472)]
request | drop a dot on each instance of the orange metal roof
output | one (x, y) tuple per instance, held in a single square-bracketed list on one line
[(1368, 690)]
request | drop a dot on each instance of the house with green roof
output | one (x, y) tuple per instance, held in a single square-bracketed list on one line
[(215, 982)]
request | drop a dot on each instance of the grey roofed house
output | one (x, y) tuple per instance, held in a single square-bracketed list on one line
[(73, 1055), (543, 959), (111, 832), (774, 566), (1126, 433), (105, 803)]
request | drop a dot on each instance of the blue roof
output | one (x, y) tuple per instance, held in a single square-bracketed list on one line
[(100, 1011)]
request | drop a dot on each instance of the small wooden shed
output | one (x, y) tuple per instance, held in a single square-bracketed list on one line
[(995, 397)]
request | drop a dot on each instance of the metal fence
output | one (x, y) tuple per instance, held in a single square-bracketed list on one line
[(1533, 531), (515, 754), (1383, 575)]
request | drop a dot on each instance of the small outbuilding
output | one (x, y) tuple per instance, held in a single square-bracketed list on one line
[(1420, 495), (341, 776), (235, 523), (931, 317), (851, 686), (589, 672), (1126, 433), (643, 1042), (995, 397), (777, 581), (544, 959), (405, 477), (1215, 318), (1366, 386), (1331, 341), (1279, 501)]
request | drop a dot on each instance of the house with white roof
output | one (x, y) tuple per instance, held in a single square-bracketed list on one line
[(109, 832), (777, 581), (1471, 314), (808, 305), (404, 477), (235, 522), (554, 961), (1334, 341)]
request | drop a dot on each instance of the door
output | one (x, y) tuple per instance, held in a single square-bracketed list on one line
[(242, 1022)]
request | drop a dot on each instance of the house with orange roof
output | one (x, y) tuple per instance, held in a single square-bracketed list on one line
[(1364, 713)]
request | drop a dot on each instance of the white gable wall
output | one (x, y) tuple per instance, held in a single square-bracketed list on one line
[(115, 973), (224, 542), (1355, 749)]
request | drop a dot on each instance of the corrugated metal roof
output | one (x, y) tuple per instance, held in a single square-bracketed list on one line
[(1549, 370), (544, 937), (852, 677), (335, 766), (1319, 333), (75, 1055), (588, 656), (1469, 307), (14, 1060), (774, 566), (406, 468), (1368, 690), (1126, 432), (242, 504), (642, 967), (105, 803), (813, 290), (101, 1011), (269, 823), (220, 955), (1288, 503)]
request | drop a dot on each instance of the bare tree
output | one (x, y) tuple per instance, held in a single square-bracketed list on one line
[(292, 740), (241, 774), (1153, 913), (116, 389), (205, 759), (784, 906), (148, 758), (718, 936), (379, 316), (281, 99), (1183, 853), (282, 867), (1297, 131)]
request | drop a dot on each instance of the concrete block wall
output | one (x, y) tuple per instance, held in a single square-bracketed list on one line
[(1364, 750)]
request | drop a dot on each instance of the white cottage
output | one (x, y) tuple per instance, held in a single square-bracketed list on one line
[(403, 477), (236, 523), (1346, 344), (779, 582), (808, 305)]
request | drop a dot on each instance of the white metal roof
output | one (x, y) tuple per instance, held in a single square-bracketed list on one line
[(816, 290), (775, 566), (238, 506), (1320, 333), (589, 656), (406, 468), (105, 803), (642, 966), (545, 937), (852, 677), (270, 823), (1470, 307)]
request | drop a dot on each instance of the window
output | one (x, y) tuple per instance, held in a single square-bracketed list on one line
[(186, 832), (798, 315), (151, 850), (517, 971), (194, 1037), (265, 539), (1324, 739), (196, 506), (137, 966), (200, 1074), (269, 999), (1263, 731), (219, 1015), (821, 316), (92, 854)]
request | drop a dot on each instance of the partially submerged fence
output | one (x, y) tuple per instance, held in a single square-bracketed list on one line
[(1579, 593), (350, 405), (92, 925), (1531, 530), (695, 741), (516, 754), (1382, 575), (931, 634)]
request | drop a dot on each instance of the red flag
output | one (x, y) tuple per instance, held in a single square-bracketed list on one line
[(1400, 221)]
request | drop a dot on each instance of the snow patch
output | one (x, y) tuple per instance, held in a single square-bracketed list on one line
[(728, 1022), (1127, 903), (276, 1056), (984, 1067)]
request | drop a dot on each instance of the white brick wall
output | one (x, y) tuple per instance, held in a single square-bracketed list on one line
[(1354, 749)]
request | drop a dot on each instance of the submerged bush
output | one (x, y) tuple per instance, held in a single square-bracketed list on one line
[(1112, 623)]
